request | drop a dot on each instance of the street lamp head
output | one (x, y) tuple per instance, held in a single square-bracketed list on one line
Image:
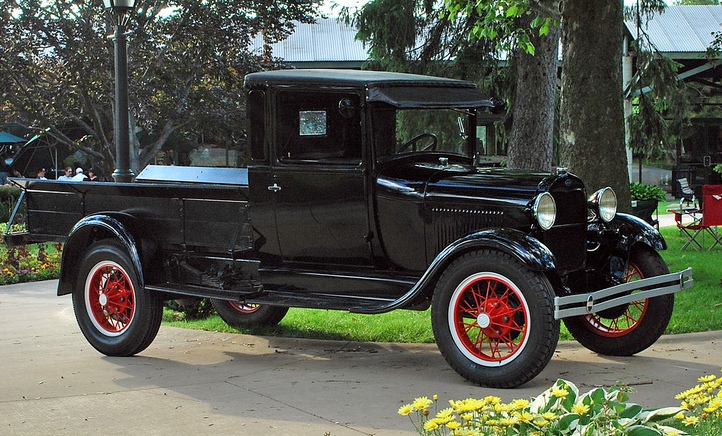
[(119, 6)]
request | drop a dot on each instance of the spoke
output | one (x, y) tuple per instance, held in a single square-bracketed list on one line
[(478, 298), (465, 309)]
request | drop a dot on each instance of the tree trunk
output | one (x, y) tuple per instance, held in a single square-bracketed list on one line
[(531, 141), (591, 118)]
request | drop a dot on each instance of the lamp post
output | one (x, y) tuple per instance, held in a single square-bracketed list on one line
[(121, 10)]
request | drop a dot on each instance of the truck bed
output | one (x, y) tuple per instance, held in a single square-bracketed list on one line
[(204, 209)]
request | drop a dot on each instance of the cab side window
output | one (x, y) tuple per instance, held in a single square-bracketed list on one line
[(319, 127)]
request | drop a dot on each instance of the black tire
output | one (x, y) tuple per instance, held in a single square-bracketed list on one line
[(246, 315), (116, 316), (629, 329), (493, 319)]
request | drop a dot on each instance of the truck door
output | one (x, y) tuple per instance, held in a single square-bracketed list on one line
[(317, 181)]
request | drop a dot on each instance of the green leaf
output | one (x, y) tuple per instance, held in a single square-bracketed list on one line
[(659, 415), (640, 430), (631, 411), (513, 11), (545, 28)]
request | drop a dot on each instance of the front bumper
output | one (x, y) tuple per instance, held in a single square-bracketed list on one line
[(584, 304)]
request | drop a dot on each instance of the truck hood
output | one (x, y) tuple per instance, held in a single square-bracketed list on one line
[(437, 182)]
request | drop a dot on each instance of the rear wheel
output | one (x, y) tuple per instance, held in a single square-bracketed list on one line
[(630, 329), (116, 316), (493, 319), (245, 315)]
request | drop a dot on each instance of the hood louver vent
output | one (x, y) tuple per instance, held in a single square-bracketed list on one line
[(451, 224)]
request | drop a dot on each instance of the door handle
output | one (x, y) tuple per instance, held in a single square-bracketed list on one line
[(274, 188)]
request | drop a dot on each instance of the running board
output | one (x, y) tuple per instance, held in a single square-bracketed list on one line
[(317, 300), (619, 295)]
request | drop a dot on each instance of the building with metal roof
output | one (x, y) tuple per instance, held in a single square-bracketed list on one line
[(680, 32), (684, 33), (328, 43)]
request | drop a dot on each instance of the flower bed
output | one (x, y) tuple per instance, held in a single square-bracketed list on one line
[(28, 264), (562, 410)]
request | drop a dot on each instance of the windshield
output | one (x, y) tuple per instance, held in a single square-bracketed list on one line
[(404, 131)]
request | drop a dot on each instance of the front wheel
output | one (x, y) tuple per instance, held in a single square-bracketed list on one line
[(116, 316), (493, 319), (629, 329), (245, 315)]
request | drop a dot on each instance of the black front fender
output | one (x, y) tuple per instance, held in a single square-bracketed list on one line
[(84, 233), (625, 231), (530, 251)]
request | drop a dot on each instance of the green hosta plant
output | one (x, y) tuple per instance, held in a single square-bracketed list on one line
[(640, 191), (560, 410)]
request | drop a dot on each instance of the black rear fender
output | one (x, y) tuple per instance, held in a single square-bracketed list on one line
[(121, 227)]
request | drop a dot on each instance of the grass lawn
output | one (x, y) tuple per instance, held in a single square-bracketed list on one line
[(697, 309)]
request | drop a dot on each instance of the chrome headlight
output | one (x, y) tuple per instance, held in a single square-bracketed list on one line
[(604, 204), (545, 210)]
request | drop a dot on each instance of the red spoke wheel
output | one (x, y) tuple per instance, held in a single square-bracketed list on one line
[(109, 298), (493, 319), (245, 315), (628, 329), (116, 316), (488, 317)]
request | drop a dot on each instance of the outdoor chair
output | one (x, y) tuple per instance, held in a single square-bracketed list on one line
[(687, 192), (711, 217)]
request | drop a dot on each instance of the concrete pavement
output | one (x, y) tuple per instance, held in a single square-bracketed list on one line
[(190, 382)]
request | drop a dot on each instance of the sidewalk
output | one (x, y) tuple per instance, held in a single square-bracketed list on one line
[(191, 382)]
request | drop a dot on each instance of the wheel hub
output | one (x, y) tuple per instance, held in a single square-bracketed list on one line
[(483, 320), (495, 318), (103, 299)]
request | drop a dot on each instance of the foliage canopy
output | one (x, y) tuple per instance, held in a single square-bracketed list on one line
[(187, 60)]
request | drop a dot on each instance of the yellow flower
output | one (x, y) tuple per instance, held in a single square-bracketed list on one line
[(492, 400), (421, 403), (706, 378), (520, 404), (580, 408), (507, 422), (713, 405), (525, 416), (445, 413), (691, 420), (540, 422), (560, 393), (453, 425), (405, 410), (430, 425), (549, 416)]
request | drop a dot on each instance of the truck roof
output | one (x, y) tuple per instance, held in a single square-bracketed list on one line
[(397, 89)]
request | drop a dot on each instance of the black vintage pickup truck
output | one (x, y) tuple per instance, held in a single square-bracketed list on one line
[(364, 194)]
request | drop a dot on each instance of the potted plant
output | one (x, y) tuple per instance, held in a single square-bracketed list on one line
[(645, 199)]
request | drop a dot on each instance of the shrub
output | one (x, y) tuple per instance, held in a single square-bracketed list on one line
[(640, 191), (8, 198)]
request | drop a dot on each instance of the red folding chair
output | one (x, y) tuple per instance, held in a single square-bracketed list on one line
[(711, 217)]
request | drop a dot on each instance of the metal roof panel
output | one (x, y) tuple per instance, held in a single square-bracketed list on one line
[(682, 29)]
